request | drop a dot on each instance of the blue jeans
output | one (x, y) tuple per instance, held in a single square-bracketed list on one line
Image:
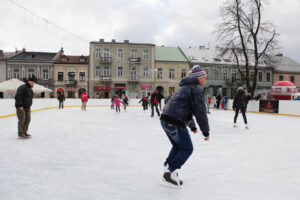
[(182, 146)]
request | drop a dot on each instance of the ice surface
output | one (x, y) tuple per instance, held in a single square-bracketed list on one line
[(99, 154)]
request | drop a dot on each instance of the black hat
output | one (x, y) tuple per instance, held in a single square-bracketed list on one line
[(32, 78)]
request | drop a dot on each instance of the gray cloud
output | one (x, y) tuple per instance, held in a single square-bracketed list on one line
[(167, 22)]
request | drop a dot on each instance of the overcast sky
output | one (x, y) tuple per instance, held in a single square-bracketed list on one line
[(161, 22)]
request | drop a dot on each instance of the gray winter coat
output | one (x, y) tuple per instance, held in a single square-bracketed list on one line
[(186, 102)]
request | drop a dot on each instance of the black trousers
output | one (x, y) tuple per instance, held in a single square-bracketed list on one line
[(243, 111), (152, 110)]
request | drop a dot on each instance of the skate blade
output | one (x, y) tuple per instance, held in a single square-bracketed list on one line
[(170, 185)]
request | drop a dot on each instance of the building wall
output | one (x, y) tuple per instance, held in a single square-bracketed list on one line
[(166, 82), (65, 68), (133, 87), (287, 77), (2, 70)]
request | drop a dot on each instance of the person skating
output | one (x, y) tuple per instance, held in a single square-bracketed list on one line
[(125, 101), (187, 102), (84, 99), (154, 103), (61, 98), (144, 101), (23, 104), (240, 104), (160, 97), (117, 102), (218, 101), (112, 103)]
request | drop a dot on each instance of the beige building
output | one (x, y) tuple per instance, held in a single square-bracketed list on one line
[(121, 68), (171, 66), (70, 75), (287, 70)]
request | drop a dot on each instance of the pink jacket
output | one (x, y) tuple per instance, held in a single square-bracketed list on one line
[(117, 102)]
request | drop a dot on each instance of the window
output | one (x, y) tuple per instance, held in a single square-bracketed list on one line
[(82, 59), (171, 73), (292, 79), (133, 74), (146, 72), (64, 59), (281, 77), (97, 71), (251, 76), (71, 76), (30, 72), (183, 73), (106, 53), (16, 73), (60, 76), (120, 71), (233, 76), (171, 90), (8, 73), (146, 54), (133, 53), (159, 73), (106, 71), (268, 77), (260, 74), (81, 76), (45, 74), (216, 74), (224, 74), (98, 53), (120, 53)]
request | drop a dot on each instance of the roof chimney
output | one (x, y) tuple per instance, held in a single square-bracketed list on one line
[(113, 40), (1, 52), (101, 40), (279, 55), (126, 41)]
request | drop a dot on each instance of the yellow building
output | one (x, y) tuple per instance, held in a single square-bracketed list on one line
[(171, 66), (71, 75)]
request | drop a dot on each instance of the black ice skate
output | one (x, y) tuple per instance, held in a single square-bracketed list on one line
[(171, 180)]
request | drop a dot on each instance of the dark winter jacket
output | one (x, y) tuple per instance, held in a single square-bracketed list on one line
[(24, 96), (144, 101), (61, 97), (240, 100), (154, 98), (160, 97), (187, 102)]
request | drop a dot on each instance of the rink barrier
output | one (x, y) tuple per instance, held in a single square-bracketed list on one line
[(7, 106)]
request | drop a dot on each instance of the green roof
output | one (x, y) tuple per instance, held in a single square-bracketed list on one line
[(170, 54)]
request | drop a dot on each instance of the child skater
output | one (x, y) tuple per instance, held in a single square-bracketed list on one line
[(117, 102)]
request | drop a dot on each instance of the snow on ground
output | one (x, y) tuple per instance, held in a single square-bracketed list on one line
[(99, 154)]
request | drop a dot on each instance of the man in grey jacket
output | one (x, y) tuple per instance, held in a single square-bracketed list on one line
[(23, 103), (187, 102)]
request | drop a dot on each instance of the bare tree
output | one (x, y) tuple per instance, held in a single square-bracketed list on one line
[(243, 34)]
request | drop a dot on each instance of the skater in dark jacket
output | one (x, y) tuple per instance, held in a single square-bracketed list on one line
[(23, 103), (144, 101), (240, 104), (160, 97), (154, 103), (218, 101), (61, 99), (187, 102)]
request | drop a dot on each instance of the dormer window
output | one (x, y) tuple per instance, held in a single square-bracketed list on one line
[(82, 59), (64, 59)]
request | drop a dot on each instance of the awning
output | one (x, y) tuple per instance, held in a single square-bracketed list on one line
[(99, 88), (146, 85), (120, 87), (60, 90)]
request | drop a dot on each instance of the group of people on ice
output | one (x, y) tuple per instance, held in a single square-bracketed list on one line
[(116, 102)]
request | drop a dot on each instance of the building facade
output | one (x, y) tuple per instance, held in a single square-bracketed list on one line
[(27, 64), (171, 66), (71, 75), (223, 75), (286, 69), (121, 68)]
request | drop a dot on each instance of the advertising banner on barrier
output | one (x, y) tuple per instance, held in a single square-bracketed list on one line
[(269, 106)]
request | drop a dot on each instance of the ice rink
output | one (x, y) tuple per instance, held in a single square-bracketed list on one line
[(98, 154)]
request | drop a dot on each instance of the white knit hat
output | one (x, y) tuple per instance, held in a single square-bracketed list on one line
[(197, 71)]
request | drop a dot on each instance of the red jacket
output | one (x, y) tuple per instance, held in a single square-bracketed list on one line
[(84, 97)]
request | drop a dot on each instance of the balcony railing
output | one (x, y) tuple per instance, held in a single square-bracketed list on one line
[(135, 60), (105, 78), (71, 83), (106, 59)]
